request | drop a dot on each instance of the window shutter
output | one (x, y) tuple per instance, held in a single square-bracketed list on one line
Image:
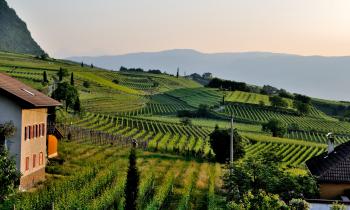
[(30, 132), (27, 163), (34, 160), (25, 133), (43, 129)]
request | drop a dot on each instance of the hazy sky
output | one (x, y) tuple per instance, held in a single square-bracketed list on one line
[(99, 27)]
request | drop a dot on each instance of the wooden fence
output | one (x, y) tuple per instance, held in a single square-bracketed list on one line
[(84, 135)]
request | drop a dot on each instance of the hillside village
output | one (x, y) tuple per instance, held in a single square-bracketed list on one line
[(74, 135)]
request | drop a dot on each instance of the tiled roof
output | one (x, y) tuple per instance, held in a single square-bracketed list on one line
[(23, 94), (333, 167)]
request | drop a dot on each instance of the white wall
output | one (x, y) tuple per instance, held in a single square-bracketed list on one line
[(10, 111)]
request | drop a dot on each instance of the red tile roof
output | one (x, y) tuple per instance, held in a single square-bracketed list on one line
[(23, 94)]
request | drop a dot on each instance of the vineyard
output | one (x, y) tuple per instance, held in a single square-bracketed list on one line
[(197, 96), (251, 98), (94, 177), (159, 136), (257, 114), (292, 152)]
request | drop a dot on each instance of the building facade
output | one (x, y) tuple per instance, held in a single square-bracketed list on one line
[(28, 110)]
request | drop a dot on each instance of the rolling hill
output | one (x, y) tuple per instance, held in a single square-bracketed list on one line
[(298, 74)]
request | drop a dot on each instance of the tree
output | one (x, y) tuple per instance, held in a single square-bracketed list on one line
[(62, 73), (220, 143), (82, 64), (122, 68), (92, 66), (228, 85), (131, 188), (66, 92), (203, 110), (277, 101), (72, 79), (263, 172), (86, 84), (77, 105), (45, 80), (284, 94), (9, 175), (302, 98), (7, 129), (303, 108), (177, 73), (258, 201), (277, 127)]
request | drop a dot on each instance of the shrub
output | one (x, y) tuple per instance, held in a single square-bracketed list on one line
[(220, 143), (299, 204), (278, 101), (86, 84), (337, 206), (277, 127)]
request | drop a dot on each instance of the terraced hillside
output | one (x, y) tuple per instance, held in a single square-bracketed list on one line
[(173, 156)]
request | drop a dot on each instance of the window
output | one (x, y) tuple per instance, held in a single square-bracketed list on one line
[(34, 160), (41, 158), (43, 129), (40, 131), (26, 133), (30, 132), (34, 130), (27, 163), (37, 130)]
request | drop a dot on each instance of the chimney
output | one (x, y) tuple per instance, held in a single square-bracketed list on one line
[(330, 138)]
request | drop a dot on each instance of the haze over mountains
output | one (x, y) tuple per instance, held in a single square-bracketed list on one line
[(317, 76), (14, 35)]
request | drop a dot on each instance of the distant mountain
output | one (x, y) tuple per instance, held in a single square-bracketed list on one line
[(14, 35), (317, 76)]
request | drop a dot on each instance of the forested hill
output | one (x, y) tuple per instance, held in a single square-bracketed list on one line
[(15, 36)]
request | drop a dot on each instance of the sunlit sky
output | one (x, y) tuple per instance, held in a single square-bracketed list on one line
[(104, 27)]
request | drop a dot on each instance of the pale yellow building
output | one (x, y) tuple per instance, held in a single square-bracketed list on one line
[(28, 109)]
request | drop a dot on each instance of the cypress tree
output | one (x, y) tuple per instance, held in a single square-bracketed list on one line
[(77, 106), (177, 73), (60, 74), (45, 80), (82, 64), (72, 79), (131, 188)]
